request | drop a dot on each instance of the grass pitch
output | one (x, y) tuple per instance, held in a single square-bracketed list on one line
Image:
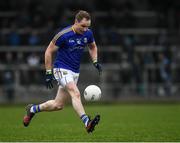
[(123, 122)]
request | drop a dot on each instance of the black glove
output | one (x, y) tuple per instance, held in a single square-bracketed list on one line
[(98, 66), (49, 79)]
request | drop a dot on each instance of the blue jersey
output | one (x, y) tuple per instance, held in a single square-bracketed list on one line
[(71, 46)]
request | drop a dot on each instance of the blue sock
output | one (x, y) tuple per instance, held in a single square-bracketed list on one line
[(85, 119), (35, 109)]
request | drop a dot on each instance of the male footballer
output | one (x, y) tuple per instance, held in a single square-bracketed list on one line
[(68, 45)]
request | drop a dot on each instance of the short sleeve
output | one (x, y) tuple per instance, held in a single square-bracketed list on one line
[(58, 39), (91, 37)]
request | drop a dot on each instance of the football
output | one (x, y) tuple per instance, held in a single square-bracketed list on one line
[(92, 93)]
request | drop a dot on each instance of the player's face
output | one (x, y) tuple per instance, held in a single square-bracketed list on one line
[(82, 25)]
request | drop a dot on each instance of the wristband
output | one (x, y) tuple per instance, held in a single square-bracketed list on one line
[(94, 61), (48, 71)]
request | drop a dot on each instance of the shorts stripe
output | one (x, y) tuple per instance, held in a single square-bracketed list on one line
[(60, 73), (57, 75)]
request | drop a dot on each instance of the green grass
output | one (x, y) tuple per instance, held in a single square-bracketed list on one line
[(123, 122)]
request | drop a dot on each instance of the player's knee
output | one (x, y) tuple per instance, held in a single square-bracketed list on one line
[(58, 106), (70, 87), (77, 94), (73, 91)]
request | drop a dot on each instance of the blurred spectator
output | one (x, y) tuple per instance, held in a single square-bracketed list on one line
[(33, 39), (126, 71), (9, 59), (33, 60), (165, 73), (14, 38), (148, 58), (20, 58), (8, 83), (129, 46), (137, 71)]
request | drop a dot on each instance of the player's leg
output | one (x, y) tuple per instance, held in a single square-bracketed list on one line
[(73, 91), (51, 105), (69, 81), (56, 104), (75, 97)]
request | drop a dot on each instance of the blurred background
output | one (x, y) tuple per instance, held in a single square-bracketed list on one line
[(138, 43)]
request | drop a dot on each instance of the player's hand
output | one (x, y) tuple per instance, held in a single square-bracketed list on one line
[(98, 66), (49, 79)]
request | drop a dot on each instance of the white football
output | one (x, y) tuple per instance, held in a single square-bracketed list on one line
[(92, 93)]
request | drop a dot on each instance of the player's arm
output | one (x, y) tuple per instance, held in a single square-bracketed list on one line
[(48, 64), (93, 51), (49, 54)]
